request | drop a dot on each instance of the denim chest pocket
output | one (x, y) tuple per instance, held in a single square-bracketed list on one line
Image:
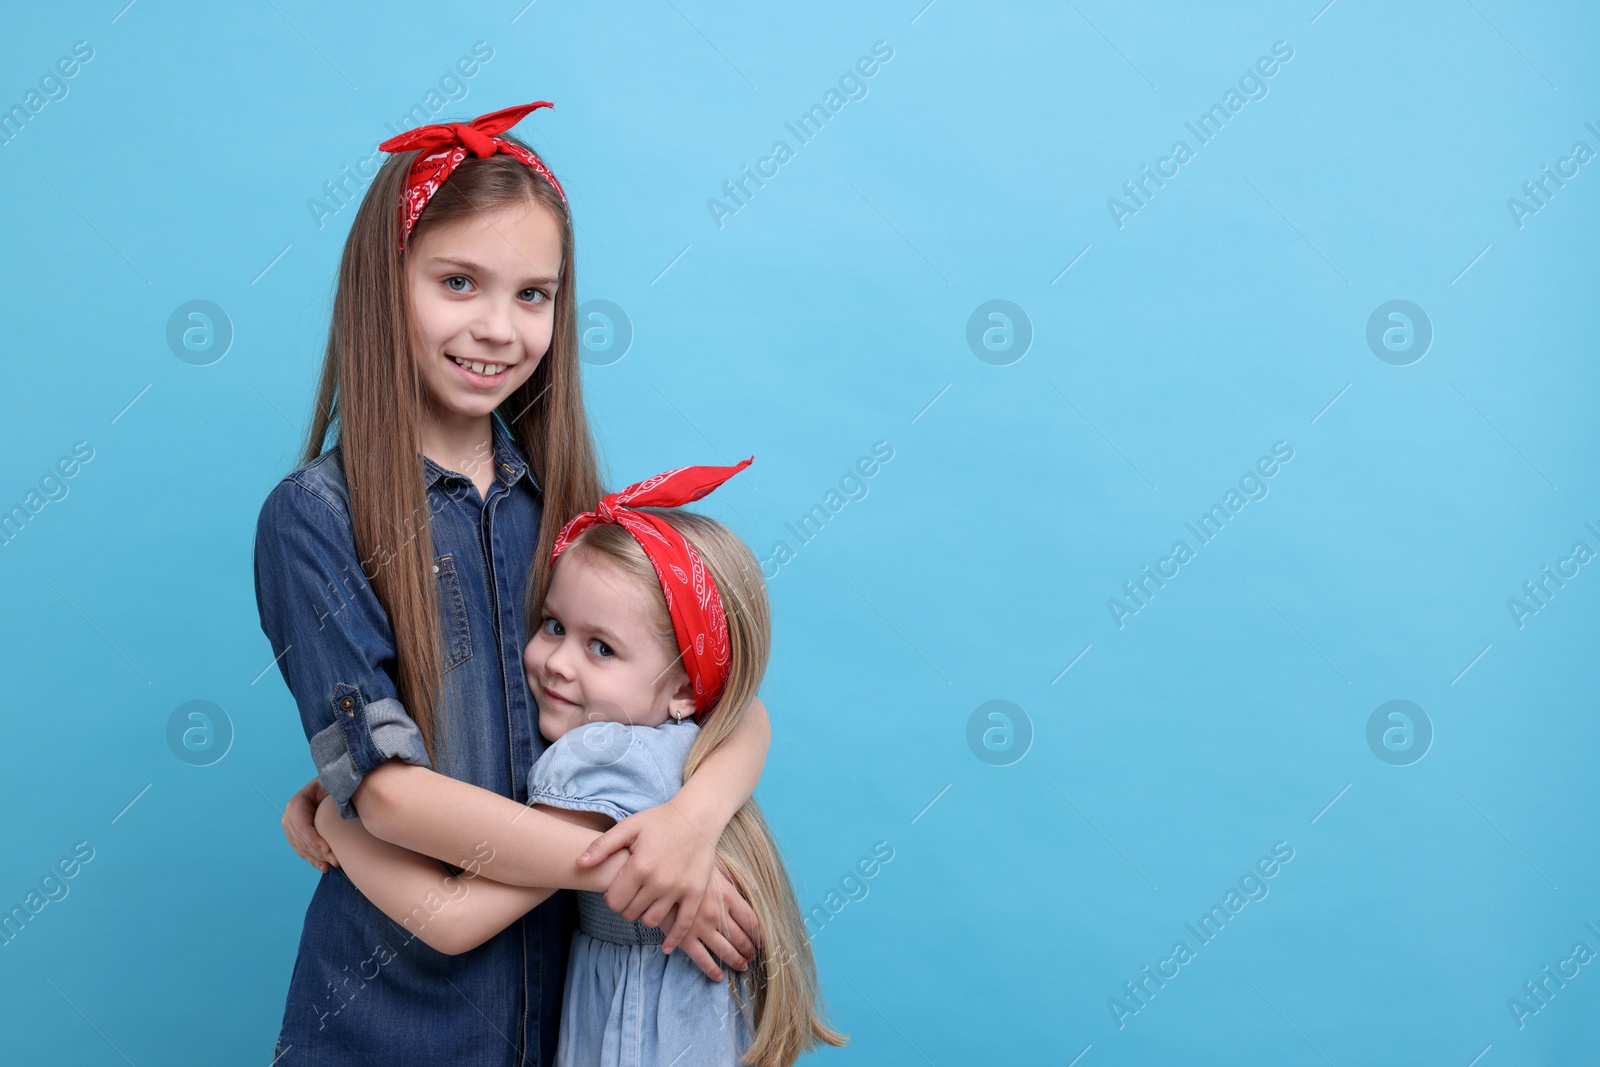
[(455, 639)]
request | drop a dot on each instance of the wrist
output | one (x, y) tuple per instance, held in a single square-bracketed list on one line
[(703, 808)]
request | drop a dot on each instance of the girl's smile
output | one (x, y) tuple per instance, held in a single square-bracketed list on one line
[(557, 697), (478, 373)]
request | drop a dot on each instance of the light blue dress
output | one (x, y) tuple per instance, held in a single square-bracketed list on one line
[(626, 1003)]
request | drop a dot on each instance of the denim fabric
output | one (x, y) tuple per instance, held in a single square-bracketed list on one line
[(626, 1003), (364, 989)]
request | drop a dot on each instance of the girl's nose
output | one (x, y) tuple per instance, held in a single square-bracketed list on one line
[(493, 325), (556, 663)]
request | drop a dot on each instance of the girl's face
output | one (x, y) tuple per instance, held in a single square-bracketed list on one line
[(482, 292), (596, 654)]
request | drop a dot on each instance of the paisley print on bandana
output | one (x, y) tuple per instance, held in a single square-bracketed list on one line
[(450, 143)]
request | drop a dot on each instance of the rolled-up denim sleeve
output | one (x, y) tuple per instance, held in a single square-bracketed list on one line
[(331, 639)]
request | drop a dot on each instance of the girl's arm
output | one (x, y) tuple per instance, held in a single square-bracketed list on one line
[(450, 913), (439, 816), (454, 914), (673, 846)]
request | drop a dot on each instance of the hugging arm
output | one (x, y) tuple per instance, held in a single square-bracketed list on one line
[(456, 913), (449, 913), (441, 817)]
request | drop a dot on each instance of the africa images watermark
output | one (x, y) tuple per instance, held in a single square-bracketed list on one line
[(1252, 86), (852, 886), (1537, 193), (51, 87), (52, 486), (1538, 592), (1252, 886), (852, 85), (455, 888), (1252, 486), (346, 189), (1536, 996), (52, 887), (852, 486)]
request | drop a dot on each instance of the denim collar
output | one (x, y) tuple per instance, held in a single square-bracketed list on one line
[(508, 457)]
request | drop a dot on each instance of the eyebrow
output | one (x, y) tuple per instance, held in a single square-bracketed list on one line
[(607, 636), (468, 265)]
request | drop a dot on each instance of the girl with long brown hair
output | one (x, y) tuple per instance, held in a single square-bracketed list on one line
[(395, 572), (652, 641)]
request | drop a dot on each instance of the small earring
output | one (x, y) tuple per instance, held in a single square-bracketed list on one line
[(677, 716)]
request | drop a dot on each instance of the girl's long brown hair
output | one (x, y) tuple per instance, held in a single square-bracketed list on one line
[(778, 995), (371, 394)]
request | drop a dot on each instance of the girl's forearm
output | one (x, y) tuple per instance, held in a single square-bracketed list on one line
[(439, 816), (449, 913), (728, 776)]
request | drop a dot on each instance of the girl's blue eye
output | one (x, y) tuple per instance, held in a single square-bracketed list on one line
[(605, 652), (539, 292), (552, 626), (456, 278)]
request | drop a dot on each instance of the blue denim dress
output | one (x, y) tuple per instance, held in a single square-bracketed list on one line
[(627, 1004), (364, 989)]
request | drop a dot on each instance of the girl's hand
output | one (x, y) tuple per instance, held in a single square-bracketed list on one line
[(669, 867), (326, 824), (725, 925), (662, 886), (719, 929), (299, 826)]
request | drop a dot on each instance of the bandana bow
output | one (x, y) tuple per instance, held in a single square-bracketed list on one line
[(693, 602), (442, 148)]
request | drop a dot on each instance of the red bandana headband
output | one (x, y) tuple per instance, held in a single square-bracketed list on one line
[(441, 149), (698, 620)]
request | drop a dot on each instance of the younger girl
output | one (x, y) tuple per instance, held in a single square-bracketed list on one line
[(652, 640)]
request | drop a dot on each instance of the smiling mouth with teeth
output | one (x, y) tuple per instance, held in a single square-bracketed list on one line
[(488, 370)]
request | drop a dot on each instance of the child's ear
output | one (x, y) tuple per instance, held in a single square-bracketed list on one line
[(681, 706)]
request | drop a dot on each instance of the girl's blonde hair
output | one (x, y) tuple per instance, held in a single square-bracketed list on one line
[(778, 994), (372, 393)]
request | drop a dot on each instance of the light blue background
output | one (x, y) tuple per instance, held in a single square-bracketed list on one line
[(1228, 314)]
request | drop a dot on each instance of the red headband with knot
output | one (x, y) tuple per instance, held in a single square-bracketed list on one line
[(441, 148), (698, 620)]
